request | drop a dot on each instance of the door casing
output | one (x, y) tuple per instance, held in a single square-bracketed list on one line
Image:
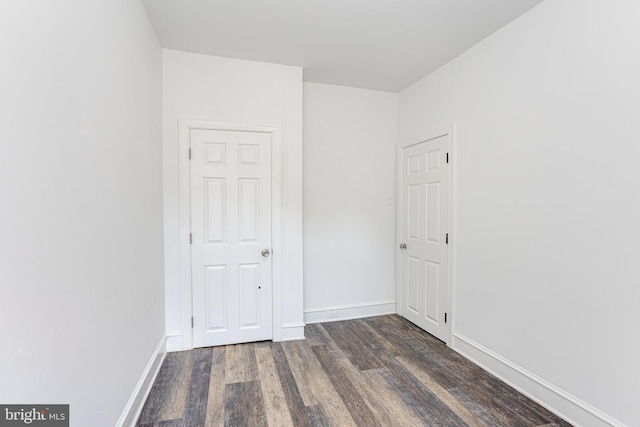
[(184, 170), (449, 131)]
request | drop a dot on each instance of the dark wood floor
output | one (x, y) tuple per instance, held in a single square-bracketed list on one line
[(380, 371)]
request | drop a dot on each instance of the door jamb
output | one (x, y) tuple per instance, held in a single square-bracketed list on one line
[(449, 130), (184, 173)]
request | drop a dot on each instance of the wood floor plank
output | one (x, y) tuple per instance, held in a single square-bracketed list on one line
[(215, 401), (413, 380), (392, 404), (317, 416), (299, 413), (321, 337), (460, 410), (415, 334), (312, 335), (275, 402), (374, 342), (311, 379), (243, 405), (357, 407), (426, 356), (369, 394), (165, 423), (195, 410), (447, 372), (560, 423), (419, 397), (457, 367), (497, 413), (503, 395), (525, 407), (167, 397), (171, 423), (241, 363), (430, 407), (314, 384), (489, 416), (343, 334)]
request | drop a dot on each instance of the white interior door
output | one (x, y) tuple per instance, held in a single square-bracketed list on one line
[(424, 215), (231, 236)]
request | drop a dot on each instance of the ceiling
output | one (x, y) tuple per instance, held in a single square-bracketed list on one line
[(376, 44)]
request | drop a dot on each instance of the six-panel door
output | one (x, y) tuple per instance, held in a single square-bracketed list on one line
[(424, 228), (231, 227)]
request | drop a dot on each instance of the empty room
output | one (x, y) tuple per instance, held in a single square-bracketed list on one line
[(310, 213)]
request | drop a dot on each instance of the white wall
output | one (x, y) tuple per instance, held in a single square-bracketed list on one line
[(349, 222), (548, 231), (81, 268), (228, 90)]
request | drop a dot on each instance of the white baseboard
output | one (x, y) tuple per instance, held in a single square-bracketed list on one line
[(174, 343), (347, 312), (290, 332), (293, 331), (553, 398), (133, 408)]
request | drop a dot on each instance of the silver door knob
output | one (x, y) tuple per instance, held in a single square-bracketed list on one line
[(266, 253), (403, 246)]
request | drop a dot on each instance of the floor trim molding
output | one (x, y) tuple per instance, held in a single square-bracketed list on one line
[(174, 343), (293, 331), (350, 311), (556, 400), (134, 406)]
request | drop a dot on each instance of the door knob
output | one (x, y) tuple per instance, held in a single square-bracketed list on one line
[(265, 253), (403, 246)]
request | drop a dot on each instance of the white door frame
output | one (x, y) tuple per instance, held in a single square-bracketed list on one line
[(184, 172), (450, 131)]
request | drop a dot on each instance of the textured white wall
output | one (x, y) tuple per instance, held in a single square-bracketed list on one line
[(349, 225), (228, 90), (548, 201), (81, 259)]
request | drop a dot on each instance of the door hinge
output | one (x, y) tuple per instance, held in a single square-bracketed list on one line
[(190, 238), (446, 238), (445, 318), (447, 157), (190, 155), (192, 322)]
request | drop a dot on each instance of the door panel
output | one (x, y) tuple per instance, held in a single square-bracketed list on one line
[(216, 295), (215, 205), (413, 285), (249, 210), (248, 282), (413, 212), (432, 285), (231, 225), (424, 226), (433, 212)]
